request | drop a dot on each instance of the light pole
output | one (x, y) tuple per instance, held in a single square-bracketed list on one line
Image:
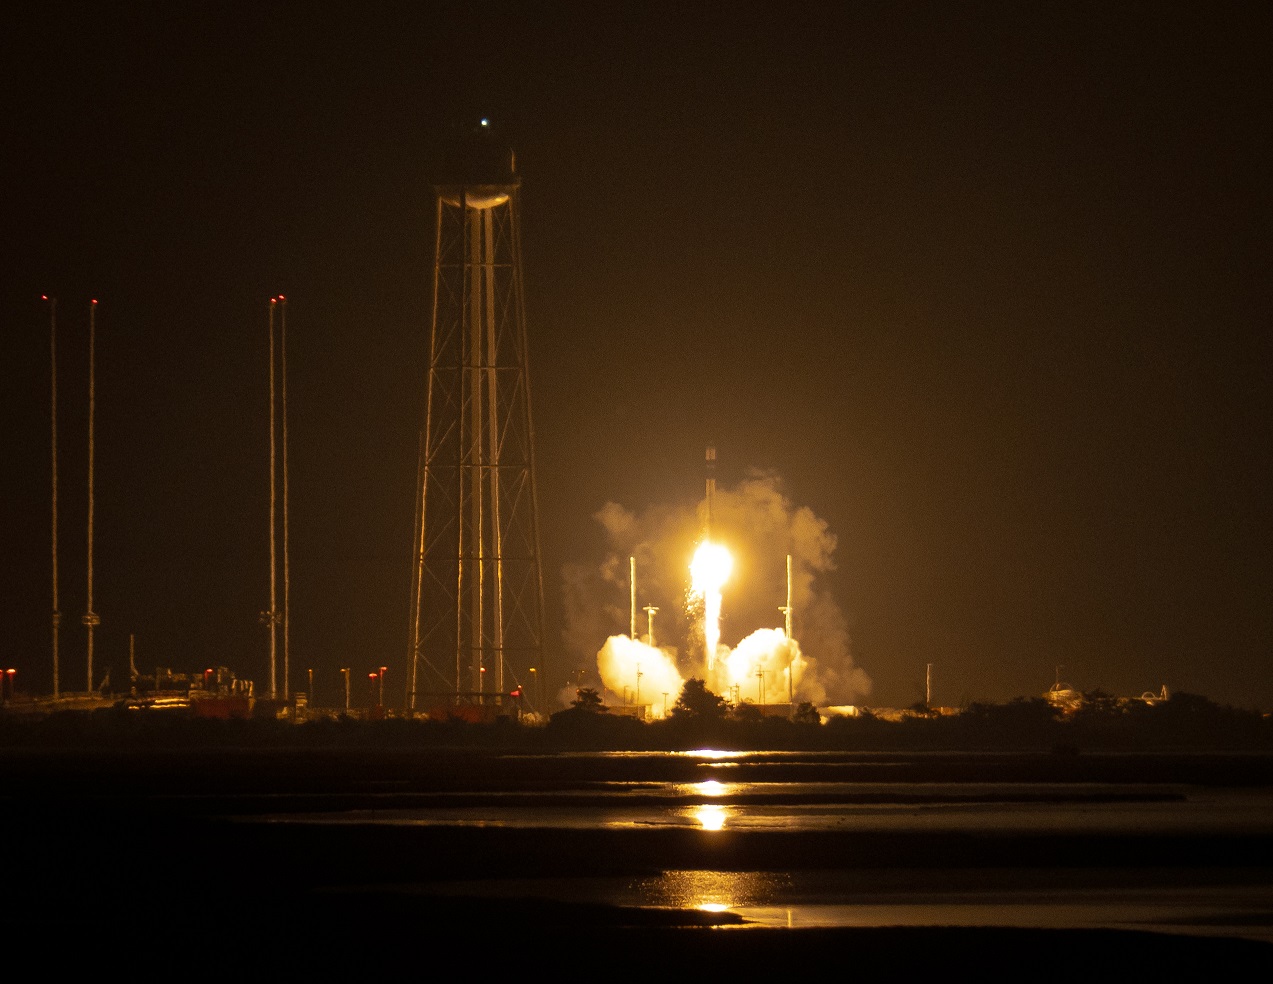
[(649, 613), (638, 687), (382, 685), (90, 618), (287, 577), (271, 617), (57, 615), (344, 671), (665, 703), (534, 689)]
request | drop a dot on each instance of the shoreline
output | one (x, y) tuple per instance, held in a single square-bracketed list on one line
[(307, 854)]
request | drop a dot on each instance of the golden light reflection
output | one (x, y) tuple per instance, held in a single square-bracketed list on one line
[(712, 753), (711, 788), (713, 891), (711, 816)]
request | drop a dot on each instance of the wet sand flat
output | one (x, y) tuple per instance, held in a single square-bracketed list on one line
[(340, 855)]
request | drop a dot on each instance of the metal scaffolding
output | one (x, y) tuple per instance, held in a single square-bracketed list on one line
[(477, 583)]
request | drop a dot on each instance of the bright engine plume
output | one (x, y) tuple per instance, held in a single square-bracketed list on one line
[(709, 571), (762, 527)]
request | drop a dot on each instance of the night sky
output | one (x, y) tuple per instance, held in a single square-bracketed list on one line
[(985, 287)]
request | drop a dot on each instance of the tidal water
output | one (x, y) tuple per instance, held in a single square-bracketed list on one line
[(810, 840)]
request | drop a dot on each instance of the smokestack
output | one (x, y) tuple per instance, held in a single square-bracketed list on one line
[(711, 486)]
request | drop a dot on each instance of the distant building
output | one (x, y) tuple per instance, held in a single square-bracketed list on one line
[(1067, 700)]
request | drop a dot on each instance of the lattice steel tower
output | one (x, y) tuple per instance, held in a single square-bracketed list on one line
[(477, 581)]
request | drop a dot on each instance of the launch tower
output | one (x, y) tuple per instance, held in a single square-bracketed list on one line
[(477, 582)]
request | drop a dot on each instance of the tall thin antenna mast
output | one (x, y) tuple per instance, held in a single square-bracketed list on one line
[(272, 614), (417, 575), (786, 611), (57, 615), (90, 617), (287, 579)]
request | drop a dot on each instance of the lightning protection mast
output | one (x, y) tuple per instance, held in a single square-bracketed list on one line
[(476, 620), (91, 619), (57, 614)]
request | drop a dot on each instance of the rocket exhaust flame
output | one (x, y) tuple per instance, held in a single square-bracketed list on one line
[(709, 571), (767, 665)]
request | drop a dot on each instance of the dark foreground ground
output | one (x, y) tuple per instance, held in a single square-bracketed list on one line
[(170, 863)]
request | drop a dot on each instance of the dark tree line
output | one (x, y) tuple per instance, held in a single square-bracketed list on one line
[(700, 719)]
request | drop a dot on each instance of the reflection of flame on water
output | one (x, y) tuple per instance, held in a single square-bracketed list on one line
[(711, 788), (711, 816), (712, 891)]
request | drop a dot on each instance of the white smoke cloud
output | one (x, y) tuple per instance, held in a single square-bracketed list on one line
[(758, 667), (643, 672), (760, 527)]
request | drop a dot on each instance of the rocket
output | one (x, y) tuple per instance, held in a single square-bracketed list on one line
[(711, 487)]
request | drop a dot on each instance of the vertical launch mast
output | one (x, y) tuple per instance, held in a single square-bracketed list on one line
[(709, 642), (477, 582)]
